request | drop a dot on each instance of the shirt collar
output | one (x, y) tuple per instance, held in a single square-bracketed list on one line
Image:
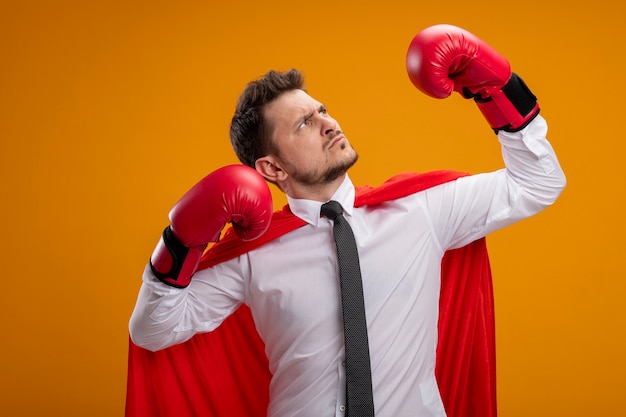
[(309, 210)]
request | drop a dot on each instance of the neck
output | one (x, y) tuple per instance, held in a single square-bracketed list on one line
[(317, 192)]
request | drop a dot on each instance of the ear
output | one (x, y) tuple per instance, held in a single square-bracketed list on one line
[(271, 168)]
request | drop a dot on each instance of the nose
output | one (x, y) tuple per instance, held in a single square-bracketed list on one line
[(329, 125)]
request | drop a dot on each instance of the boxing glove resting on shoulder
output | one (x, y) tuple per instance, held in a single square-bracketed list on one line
[(234, 194)]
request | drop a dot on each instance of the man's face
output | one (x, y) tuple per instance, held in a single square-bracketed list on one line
[(309, 142)]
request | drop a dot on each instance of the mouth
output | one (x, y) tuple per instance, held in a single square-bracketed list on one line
[(336, 140)]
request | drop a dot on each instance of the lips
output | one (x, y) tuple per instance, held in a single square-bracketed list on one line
[(336, 140)]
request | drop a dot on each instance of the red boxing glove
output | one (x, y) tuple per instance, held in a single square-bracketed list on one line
[(445, 58), (235, 194)]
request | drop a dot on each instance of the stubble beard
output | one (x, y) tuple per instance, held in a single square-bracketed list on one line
[(327, 177)]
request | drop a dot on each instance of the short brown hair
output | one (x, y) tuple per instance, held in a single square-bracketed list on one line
[(249, 132)]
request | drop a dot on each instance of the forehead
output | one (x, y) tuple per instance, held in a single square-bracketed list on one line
[(290, 106)]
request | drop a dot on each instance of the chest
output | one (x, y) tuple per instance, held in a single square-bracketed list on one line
[(295, 278)]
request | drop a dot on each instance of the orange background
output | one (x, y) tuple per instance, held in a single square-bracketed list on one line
[(109, 111)]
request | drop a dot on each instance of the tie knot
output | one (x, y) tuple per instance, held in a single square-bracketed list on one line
[(332, 209)]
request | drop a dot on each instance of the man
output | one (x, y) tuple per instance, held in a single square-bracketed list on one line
[(290, 283)]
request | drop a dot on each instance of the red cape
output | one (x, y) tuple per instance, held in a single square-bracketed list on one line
[(225, 372)]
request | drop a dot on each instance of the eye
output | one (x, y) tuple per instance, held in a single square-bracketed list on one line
[(304, 124)]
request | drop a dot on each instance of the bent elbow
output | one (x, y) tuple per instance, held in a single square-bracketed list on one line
[(143, 338), (549, 192), (556, 187)]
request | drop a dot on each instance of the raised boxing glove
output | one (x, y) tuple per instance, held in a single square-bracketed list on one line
[(444, 58), (234, 194)]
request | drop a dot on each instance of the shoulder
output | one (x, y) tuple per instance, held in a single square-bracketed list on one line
[(403, 185)]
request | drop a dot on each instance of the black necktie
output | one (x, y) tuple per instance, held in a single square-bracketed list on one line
[(359, 400)]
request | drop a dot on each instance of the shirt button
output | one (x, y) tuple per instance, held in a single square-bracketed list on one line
[(343, 363), (342, 408)]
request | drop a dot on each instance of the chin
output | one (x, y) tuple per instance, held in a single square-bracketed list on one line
[(341, 168)]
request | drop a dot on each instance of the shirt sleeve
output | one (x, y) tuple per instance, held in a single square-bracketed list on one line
[(474, 206), (164, 316)]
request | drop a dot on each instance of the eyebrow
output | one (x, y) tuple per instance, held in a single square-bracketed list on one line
[(307, 116), (302, 119)]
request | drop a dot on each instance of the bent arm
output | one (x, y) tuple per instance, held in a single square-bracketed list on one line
[(164, 316), (475, 206), (532, 164)]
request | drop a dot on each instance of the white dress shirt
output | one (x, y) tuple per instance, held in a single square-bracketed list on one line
[(291, 285)]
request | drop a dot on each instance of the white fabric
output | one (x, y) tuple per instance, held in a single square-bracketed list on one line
[(291, 284)]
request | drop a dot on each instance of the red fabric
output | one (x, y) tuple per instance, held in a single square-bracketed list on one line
[(466, 351), (225, 372), (222, 373)]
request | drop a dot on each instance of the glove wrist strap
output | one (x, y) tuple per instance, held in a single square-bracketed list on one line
[(511, 108), (172, 262)]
